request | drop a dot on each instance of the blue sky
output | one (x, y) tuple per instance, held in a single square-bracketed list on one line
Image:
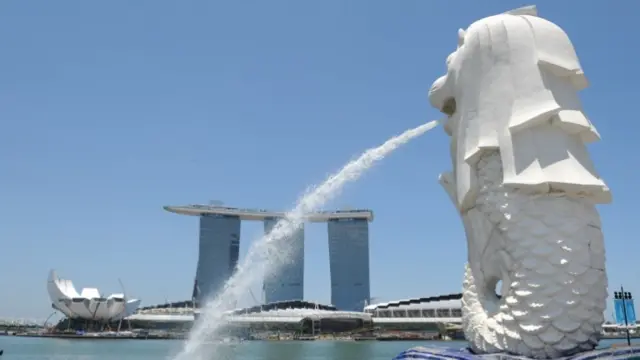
[(110, 110)]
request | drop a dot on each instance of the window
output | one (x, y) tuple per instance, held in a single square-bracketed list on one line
[(414, 313), (234, 254), (399, 313), (429, 313), (442, 313)]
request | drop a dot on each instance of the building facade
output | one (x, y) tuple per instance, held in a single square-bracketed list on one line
[(287, 283), (349, 263), (88, 304), (218, 253)]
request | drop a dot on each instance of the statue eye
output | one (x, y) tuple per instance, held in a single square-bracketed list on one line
[(449, 59)]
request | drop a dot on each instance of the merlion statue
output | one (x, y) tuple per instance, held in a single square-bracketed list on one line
[(525, 187)]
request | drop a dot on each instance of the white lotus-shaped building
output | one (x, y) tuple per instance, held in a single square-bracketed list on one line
[(89, 304)]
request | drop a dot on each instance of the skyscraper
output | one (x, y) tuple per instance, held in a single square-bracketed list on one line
[(218, 253), (349, 263), (288, 282), (348, 232)]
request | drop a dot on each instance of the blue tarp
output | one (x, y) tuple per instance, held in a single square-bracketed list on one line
[(435, 353)]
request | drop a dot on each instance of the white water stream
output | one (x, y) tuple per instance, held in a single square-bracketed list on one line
[(268, 254)]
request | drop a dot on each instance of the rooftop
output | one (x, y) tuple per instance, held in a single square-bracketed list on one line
[(261, 214), (433, 302), (279, 312)]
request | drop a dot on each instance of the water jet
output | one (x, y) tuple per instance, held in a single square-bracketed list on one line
[(212, 320)]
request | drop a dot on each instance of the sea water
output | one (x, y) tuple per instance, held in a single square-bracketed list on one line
[(268, 254), (16, 348), (20, 348)]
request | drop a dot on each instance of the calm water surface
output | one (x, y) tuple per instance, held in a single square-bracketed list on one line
[(16, 348)]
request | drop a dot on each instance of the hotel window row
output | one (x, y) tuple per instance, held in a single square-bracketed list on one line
[(416, 313)]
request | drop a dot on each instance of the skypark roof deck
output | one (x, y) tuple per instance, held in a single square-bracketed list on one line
[(261, 215)]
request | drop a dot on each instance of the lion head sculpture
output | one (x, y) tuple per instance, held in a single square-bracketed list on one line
[(512, 85)]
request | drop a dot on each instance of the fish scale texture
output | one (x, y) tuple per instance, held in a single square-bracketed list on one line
[(551, 254)]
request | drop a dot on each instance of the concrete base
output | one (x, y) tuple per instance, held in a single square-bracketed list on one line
[(436, 353)]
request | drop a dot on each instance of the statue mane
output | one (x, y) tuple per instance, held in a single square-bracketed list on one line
[(515, 78)]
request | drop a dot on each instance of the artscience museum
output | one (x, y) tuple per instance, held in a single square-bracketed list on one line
[(88, 304)]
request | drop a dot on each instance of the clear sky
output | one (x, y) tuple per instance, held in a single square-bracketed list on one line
[(110, 110)]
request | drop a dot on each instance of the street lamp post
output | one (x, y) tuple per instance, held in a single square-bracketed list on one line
[(624, 296)]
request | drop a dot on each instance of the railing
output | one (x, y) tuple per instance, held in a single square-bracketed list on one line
[(416, 313)]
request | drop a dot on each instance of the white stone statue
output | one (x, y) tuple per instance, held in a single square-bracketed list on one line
[(525, 187)]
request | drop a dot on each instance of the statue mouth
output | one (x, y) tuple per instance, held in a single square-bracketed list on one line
[(441, 98), (449, 109)]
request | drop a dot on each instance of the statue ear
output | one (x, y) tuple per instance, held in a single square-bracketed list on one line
[(461, 34)]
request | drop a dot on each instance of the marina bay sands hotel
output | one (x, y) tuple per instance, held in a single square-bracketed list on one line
[(219, 249)]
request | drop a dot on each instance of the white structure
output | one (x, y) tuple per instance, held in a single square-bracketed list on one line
[(279, 316), (525, 187), (294, 316), (262, 215), (276, 315), (89, 304), (446, 309)]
